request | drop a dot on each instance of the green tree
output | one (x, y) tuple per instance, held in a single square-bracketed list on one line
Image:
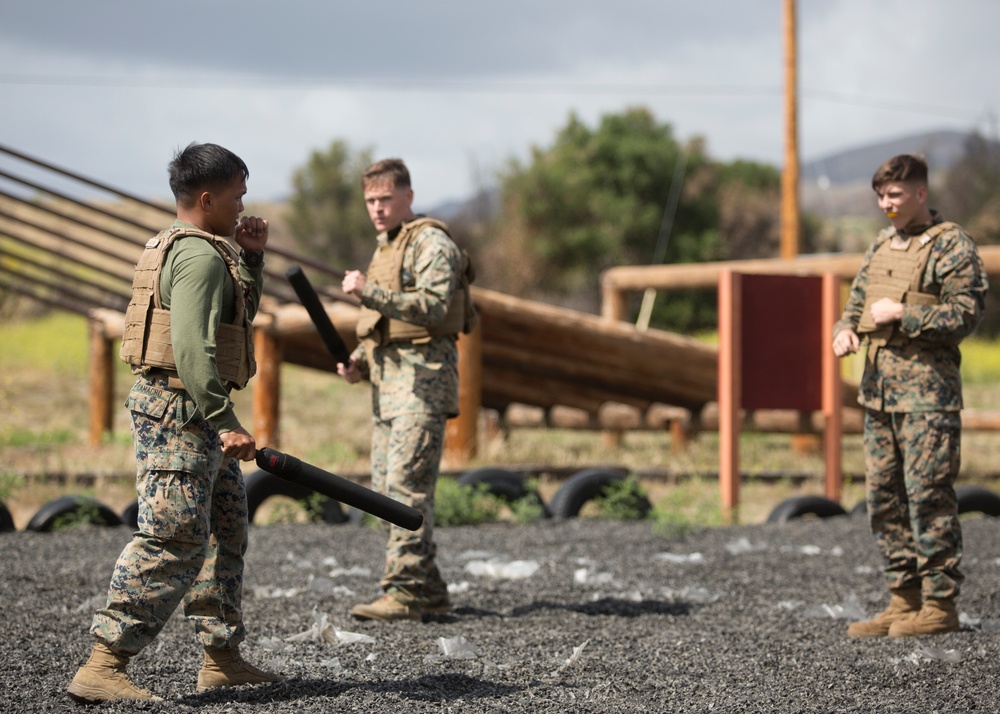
[(970, 195), (597, 198), (326, 212)]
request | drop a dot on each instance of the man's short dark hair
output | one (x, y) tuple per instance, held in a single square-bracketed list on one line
[(203, 166), (902, 168), (393, 169)]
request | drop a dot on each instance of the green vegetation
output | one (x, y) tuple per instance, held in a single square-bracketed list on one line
[(56, 342), (20, 436), (980, 361), (623, 500), (687, 505), (456, 504), (87, 513), (9, 483), (528, 508), (327, 215)]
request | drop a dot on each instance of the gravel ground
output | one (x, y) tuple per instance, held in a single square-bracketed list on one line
[(616, 618)]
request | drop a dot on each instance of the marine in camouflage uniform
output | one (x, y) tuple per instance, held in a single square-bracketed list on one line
[(192, 519), (912, 393), (411, 359)]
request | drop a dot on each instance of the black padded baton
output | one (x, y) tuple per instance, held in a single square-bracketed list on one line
[(339, 489), (310, 301)]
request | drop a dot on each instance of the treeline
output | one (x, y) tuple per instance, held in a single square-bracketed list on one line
[(625, 191)]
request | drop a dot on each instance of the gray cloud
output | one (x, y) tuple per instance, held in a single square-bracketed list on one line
[(111, 88)]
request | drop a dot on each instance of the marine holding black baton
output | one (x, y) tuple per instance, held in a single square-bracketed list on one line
[(415, 301), (189, 340)]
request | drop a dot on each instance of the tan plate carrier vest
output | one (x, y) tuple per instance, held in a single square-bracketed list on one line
[(146, 338), (896, 274), (386, 271)]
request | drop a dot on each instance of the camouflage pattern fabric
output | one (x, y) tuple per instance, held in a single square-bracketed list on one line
[(416, 377), (911, 463), (414, 391), (192, 529), (919, 369), (912, 392), (406, 453)]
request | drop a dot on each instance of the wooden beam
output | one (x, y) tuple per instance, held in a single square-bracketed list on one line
[(267, 389), (101, 382), (461, 433), (790, 171)]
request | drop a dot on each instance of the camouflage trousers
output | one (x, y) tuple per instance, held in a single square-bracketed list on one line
[(911, 463), (192, 529), (406, 459)]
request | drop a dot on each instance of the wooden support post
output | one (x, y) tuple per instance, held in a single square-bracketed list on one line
[(729, 393), (680, 436), (612, 302), (102, 382), (267, 389), (833, 403), (461, 432)]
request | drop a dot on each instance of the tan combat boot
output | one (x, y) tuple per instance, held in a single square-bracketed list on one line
[(904, 603), (935, 617), (226, 668), (103, 679), (386, 609)]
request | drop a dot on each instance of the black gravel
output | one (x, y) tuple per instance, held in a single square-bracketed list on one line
[(617, 618)]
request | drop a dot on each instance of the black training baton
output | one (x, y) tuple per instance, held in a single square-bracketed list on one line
[(310, 301), (339, 489)]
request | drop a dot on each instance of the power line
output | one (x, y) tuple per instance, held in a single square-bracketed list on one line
[(485, 87)]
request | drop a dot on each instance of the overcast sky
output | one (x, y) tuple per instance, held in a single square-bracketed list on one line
[(111, 88)]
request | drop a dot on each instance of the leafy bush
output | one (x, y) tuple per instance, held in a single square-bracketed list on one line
[(688, 506), (9, 483), (622, 500), (529, 508), (456, 504), (88, 513)]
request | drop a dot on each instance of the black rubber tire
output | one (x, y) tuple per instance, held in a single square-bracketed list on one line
[(6, 520), (130, 516), (503, 483), (261, 485), (800, 506), (586, 485), (974, 499), (45, 519)]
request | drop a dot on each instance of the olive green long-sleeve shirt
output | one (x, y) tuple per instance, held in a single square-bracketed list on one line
[(196, 287)]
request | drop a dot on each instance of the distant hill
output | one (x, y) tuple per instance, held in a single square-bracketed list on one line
[(941, 148), (839, 184), (834, 185)]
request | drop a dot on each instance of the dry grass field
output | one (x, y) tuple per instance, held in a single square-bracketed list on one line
[(45, 452)]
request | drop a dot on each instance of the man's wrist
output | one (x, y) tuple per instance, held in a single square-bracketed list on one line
[(252, 260)]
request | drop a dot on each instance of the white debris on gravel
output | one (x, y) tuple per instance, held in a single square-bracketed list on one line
[(323, 630), (572, 658), (326, 586), (453, 648), (928, 654), (743, 545), (724, 635), (355, 571), (503, 570), (680, 558), (267, 593), (587, 576), (850, 609)]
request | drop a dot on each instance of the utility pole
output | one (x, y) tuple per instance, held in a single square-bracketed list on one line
[(790, 173)]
